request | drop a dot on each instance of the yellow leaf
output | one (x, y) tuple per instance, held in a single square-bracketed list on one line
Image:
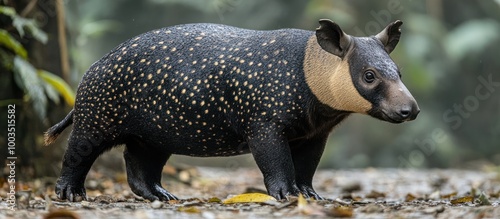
[(249, 197), (301, 202), (214, 200), (192, 210), (341, 211), (446, 196), (410, 197), (11, 43), (462, 200), (307, 208), (60, 85)]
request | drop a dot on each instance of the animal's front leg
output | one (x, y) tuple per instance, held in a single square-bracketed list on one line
[(272, 154), (306, 156)]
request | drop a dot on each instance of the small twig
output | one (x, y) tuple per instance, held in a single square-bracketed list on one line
[(339, 201), (63, 47), (28, 8)]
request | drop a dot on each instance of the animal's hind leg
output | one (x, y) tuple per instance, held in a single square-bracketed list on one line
[(144, 166), (78, 158)]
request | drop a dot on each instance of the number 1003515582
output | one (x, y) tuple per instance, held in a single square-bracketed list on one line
[(11, 129)]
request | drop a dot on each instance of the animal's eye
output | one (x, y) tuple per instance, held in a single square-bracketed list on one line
[(369, 76)]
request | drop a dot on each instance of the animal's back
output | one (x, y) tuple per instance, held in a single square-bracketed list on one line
[(195, 89)]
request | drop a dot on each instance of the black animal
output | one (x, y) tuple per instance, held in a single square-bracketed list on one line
[(215, 90)]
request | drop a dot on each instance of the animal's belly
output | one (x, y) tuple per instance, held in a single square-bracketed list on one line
[(208, 144)]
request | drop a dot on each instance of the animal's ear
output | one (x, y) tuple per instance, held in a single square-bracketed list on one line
[(332, 39), (390, 35)]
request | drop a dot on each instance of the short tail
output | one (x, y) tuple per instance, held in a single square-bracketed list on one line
[(53, 132)]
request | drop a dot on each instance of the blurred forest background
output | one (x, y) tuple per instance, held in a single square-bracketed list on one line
[(449, 54)]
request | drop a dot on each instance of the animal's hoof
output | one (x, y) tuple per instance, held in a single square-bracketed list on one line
[(73, 193), (308, 192), (154, 192), (163, 194), (283, 192)]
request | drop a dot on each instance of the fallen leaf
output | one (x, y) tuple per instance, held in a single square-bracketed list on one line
[(301, 202), (214, 200), (191, 209), (249, 197), (448, 196), (351, 196), (173, 202), (483, 200), (462, 200), (61, 214), (410, 197), (340, 211), (309, 209), (374, 194)]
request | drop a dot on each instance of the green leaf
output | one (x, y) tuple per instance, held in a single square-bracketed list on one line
[(471, 37), (6, 59), (31, 26), (35, 32), (29, 81), (9, 11), (21, 24), (483, 199), (59, 85), (9, 42)]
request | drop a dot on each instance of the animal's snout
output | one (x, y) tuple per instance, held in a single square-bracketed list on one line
[(399, 106), (408, 112)]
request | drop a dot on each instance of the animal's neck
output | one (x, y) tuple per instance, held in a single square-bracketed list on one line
[(323, 118), (320, 121), (329, 78)]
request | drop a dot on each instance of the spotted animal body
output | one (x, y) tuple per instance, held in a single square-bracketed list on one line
[(214, 90)]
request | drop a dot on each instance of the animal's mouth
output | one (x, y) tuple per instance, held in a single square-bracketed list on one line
[(386, 117)]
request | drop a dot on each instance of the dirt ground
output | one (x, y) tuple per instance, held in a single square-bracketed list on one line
[(359, 193)]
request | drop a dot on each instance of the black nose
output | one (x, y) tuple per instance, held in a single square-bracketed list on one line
[(409, 112), (405, 113)]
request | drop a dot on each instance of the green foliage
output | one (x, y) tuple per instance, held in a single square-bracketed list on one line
[(38, 85), (26, 77), (471, 37), (10, 43), (21, 24), (59, 86)]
